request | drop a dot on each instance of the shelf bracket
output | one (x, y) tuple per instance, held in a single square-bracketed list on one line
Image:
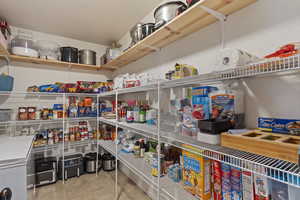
[(222, 18), (6, 59)]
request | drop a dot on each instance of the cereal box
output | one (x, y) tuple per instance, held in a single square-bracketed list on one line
[(217, 180), (260, 187), (196, 173), (247, 182), (226, 182), (236, 184)]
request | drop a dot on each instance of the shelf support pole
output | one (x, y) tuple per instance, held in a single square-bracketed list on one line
[(6, 59), (222, 18)]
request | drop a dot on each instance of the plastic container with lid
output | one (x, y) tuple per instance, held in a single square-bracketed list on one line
[(24, 45), (48, 49)]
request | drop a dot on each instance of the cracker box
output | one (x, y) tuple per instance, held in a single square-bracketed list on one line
[(196, 173), (247, 182)]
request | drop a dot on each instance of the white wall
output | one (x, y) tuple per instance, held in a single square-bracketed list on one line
[(259, 29), (34, 74)]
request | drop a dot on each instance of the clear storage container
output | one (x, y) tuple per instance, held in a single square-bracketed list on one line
[(24, 45)]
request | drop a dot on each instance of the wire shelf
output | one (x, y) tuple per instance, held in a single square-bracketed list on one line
[(169, 188), (282, 171)]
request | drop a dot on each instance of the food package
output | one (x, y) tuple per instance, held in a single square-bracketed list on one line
[(261, 190), (286, 51), (279, 191), (182, 70), (230, 58), (236, 184), (247, 182), (284, 126), (196, 173), (226, 182), (201, 102), (217, 180)]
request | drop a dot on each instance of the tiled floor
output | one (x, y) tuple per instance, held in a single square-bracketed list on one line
[(90, 187)]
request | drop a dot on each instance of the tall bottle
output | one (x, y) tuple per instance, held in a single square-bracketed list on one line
[(142, 148), (136, 112), (142, 118), (129, 114)]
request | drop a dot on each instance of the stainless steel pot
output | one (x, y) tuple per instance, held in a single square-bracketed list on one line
[(90, 160), (136, 33), (166, 12), (109, 162), (87, 57), (148, 29)]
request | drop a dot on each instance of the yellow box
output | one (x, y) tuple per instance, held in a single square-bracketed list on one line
[(196, 173)]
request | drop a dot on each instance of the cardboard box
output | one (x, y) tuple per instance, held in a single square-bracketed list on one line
[(247, 182), (196, 173)]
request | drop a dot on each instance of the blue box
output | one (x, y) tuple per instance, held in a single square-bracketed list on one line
[(285, 126), (6, 83), (201, 102)]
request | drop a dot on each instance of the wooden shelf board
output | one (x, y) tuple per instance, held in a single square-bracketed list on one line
[(58, 63), (188, 22)]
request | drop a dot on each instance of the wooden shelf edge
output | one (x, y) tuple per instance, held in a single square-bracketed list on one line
[(59, 63), (181, 26)]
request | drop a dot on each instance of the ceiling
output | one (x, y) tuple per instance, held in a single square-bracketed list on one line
[(96, 21)]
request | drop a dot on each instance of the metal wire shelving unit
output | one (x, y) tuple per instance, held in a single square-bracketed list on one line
[(14, 100), (279, 170)]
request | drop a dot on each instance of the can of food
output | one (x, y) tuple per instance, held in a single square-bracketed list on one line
[(154, 169)]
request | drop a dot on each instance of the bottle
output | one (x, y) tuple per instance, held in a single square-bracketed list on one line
[(136, 113), (129, 115), (136, 149), (142, 149), (142, 114)]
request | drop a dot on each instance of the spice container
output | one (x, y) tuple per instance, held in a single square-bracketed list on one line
[(22, 114), (31, 113)]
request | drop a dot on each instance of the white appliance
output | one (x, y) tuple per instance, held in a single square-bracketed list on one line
[(14, 154)]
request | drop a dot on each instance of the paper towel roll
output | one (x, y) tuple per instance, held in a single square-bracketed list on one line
[(230, 58)]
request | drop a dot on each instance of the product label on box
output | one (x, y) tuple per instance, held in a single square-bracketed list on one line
[(280, 191), (236, 184), (226, 184), (288, 126), (247, 183), (217, 180), (260, 187), (201, 102), (222, 106)]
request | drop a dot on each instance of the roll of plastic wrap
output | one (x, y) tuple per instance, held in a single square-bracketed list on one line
[(230, 58)]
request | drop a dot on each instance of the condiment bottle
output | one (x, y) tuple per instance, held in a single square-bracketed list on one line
[(136, 149), (129, 114), (136, 112), (142, 149), (142, 114)]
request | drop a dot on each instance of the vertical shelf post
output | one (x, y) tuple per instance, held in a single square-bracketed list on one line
[(116, 146)]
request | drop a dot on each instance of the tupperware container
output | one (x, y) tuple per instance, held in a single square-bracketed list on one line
[(48, 49), (24, 45)]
